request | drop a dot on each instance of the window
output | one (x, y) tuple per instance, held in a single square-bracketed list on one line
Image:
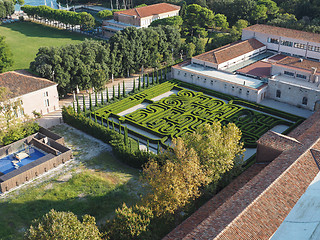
[(240, 91), (300, 45), (316, 49), (232, 88), (278, 94), (304, 101), (286, 43), (273, 40), (211, 82), (46, 102), (248, 92), (291, 74), (301, 76)]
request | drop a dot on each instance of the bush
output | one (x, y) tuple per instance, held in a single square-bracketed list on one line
[(127, 153)]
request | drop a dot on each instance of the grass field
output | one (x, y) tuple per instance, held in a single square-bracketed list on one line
[(25, 38), (96, 184)]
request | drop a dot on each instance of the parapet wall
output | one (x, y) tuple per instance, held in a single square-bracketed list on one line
[(57, 154)]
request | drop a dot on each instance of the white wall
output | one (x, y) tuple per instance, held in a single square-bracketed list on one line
[(262, 37), (35, 101), (219, 85), (145, 22), (293, 94)]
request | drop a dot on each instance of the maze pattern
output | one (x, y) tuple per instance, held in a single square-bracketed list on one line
[(182, 113), (179, 114)]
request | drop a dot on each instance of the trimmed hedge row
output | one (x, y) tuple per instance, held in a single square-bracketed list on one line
[(126, 152)]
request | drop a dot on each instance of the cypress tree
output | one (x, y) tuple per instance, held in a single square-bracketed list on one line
[(113, 93), (107, 92), (119, 127), (165, 73), (138, 145), (84, 103), (147, 145), (102, 121), (158, 148), (143, 82), (161, 75), (102, 102), (113, 125), (123, 89), (78, 105), (119, 94), (157, 76), (96, 99), (139, 83), (108, 123), (74, 108), (95, 117), (90, 116), (90, 102), (125, 136), (134, 85), (130, 145), (147, 77), (153, 77)]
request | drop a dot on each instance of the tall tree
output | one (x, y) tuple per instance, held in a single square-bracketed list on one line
[(5, 55)]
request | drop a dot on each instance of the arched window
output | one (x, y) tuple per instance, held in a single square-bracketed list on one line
[(304, 100), (278, 94)]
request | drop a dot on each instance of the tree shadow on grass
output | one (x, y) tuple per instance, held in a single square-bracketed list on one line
[(16, 218), (38, 30)]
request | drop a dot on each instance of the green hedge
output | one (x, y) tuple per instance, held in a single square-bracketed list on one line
[(127, 153)]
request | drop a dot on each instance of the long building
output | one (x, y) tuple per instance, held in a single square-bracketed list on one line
[(269, 62), (140, 17)]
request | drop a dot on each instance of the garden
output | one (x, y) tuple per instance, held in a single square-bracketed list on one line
[(181, 110)]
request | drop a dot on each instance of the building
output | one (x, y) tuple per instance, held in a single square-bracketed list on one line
[(36, 94), (138, 17), (269, 62), (256, 203), (30, 157)]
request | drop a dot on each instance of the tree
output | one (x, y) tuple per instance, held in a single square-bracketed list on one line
[(191, 50), (63, 225), (105, 14), (175, 182), (5, 55), (171, 21), (220, 21), (129, 223), (259, 12), (216, 146)]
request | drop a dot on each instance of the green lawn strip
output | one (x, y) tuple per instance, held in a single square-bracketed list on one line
[(25, 38), (97, 187)]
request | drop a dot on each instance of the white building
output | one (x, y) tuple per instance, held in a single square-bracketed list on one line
[(138, 17), (269, 62), (36, 94)]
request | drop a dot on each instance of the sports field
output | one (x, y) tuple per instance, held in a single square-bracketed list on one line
[(25, 38)]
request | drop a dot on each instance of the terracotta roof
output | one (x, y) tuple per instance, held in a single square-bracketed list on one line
[(285, 32), (20, 84), (299, 63), (258, 208), (230, 51), (151, 10)]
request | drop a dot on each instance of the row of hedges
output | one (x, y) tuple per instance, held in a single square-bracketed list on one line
[(126, 152)]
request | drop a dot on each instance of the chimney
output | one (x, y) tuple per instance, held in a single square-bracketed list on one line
[(313, 77), (301, 60)]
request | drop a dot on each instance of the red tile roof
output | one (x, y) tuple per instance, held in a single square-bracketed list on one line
[(257, 209), (20, 84), (230, 51), (294, 62), (285, 32), (259, 69), (151, 10)]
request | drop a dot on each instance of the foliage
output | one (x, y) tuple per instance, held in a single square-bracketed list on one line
[(6, 8), (129, 223), (5, 55), (105, 14), (63, 225), (89, 64), (84, 19), (172, 21), (216, 147), (175, 183)]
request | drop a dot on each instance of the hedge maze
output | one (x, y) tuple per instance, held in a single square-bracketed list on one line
[(179, 114)]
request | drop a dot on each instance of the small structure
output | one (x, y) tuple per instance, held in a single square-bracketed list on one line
[(30, 157), (138, 17), (36, 94)]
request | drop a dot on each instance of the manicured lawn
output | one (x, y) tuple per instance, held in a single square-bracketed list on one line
[(96, 184), (25, 38)]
